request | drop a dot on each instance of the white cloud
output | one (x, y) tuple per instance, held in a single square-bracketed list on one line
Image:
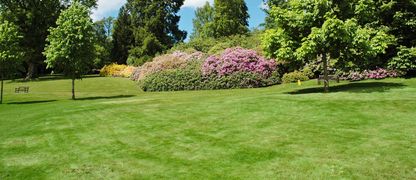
[(196, 3), (105, 7), (263, 5)]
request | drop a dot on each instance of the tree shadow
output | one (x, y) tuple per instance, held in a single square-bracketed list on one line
[(32, 102), (358, 87), (104, 97), (51, 78)]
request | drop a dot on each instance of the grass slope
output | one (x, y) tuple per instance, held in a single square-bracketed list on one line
[(363, 130)]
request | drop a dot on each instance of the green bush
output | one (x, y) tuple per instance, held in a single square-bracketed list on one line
[(172, 80), (308, 72), (192, 79), (134, 61), (294, 77), (405, 60)]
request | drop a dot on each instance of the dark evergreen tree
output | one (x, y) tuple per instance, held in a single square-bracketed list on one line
[(155, 28), (230, 18), (122, 37)]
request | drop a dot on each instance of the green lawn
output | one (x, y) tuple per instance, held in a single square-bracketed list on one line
[(363, 130)]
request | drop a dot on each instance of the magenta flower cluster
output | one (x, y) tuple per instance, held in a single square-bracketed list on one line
[(238, 60), (381, 74)]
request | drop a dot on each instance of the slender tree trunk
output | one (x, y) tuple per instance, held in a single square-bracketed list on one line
[(31, 70), (326, 78), (73, 88), (1, 96)]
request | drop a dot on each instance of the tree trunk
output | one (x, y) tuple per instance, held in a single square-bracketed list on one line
[(326, 77), (1, 93), (73, 88), (31, 70)]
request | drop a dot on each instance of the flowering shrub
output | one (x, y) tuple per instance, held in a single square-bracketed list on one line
[(117, 70), (112, 70), (188, 56), (166, 62), (127, 72), (235, 68), (136, 73), (379, 73), (235, 60), (356, 76)]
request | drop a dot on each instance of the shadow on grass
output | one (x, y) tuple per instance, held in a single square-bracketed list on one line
[(32, 102), (51, 78), (104, 97), (365, 87)]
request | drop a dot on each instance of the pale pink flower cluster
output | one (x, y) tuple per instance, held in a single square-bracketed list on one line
[(238, 60)]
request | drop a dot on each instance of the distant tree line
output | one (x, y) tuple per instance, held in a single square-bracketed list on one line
[(146, 28)]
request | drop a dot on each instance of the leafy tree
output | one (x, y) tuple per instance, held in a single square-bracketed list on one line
[(34, 18), (230, 18), (71, 43), (305, 30), (155, 27), (346, 42), (203, 22), (10, 52), (122, 36)]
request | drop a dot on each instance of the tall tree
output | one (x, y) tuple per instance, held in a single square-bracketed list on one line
[(34, 18), (103, 46), (155, 27), (71, 43), (203, 22), (230, 18), (10, 52), (122, 36)]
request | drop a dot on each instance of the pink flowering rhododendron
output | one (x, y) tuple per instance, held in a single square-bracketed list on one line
[(238, 60), (175, 60), (379, 73)]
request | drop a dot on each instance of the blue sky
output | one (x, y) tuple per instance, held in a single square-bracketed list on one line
[(110, 8)]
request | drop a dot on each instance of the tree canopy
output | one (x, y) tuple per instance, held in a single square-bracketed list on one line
[(303, 30), (34, 18), (203, 22), (153, 25), (10, 51), (71, 43), (226, 18)]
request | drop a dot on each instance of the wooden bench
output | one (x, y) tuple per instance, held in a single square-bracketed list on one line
[(22, 89), (330, 77)]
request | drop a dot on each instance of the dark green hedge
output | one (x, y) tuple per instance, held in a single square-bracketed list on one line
[(191, 79)]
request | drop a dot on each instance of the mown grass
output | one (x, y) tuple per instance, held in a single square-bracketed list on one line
[(363, 130)]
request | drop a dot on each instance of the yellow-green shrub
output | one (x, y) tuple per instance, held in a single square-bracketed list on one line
[(294, 77), (128, 71), (117, 70)]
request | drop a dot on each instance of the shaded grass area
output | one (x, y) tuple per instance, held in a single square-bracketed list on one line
[(361, 87), (364, 130)]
